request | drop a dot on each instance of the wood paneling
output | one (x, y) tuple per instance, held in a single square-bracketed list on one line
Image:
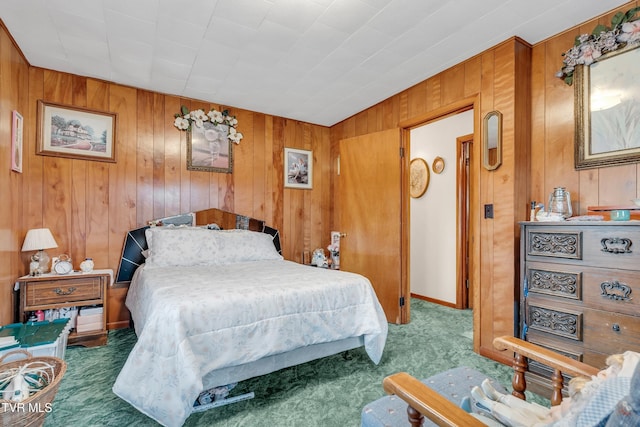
[(14, 72), (553, 132), (89, 205), (499, 79), (538, 113)]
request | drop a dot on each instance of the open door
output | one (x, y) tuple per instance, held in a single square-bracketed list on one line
[(464, 291), (370, 214)]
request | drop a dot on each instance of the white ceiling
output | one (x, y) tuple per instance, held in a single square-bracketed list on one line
[(319, 61)]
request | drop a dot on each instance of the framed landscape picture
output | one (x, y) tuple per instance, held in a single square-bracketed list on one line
[(75, 133), (298, 168)]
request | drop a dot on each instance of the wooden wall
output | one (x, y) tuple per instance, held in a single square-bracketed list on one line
[(552, 146), (90, 205), (538, 135), (14, 72), (495, 80)]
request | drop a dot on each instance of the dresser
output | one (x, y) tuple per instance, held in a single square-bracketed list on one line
[(580, 290), (76, 289)]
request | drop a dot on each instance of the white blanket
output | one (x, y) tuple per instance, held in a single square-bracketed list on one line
[(192, 320)]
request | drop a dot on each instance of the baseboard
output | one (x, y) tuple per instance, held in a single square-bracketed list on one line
[(118, 325), (433, 300)]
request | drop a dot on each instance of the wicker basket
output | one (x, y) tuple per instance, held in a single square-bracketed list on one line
[(31, 411)]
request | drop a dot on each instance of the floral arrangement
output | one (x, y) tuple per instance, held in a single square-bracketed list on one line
[(186, 119), (624, 31)]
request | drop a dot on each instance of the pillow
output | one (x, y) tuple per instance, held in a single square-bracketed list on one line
[(190, 246), (180, 246), (148, 234), (245, 245)]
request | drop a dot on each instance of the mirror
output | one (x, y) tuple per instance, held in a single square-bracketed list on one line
[(492, 141)]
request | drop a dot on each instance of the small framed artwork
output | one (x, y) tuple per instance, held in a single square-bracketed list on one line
[(438, 165), (16, 142), (418, 177), (298, 168), (209, 148), (75, 133)]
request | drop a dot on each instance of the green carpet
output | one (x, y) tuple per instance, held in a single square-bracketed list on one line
[(329, 392)]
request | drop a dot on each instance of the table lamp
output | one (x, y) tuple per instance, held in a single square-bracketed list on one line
[(39, 239)]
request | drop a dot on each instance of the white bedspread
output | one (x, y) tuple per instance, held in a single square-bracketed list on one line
[(192, 320)]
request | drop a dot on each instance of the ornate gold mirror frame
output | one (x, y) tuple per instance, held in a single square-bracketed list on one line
[(607, 110)]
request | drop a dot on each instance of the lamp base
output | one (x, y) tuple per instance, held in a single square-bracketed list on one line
[(33, 266), (42, 259)]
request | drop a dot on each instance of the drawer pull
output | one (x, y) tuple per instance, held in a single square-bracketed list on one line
[(616, 245), (69, 291), (616, 327), (615, 290)]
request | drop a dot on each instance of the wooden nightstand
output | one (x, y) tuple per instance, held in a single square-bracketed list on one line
[(72, 290)]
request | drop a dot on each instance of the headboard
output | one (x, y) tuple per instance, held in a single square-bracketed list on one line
[(136, 242)]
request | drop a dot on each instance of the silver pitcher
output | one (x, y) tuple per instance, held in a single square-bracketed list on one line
[(560, 202)]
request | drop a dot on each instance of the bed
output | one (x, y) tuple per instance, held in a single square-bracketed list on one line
[(215, 307)]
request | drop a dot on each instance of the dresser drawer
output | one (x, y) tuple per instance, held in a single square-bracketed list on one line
[(553, 242), (604, 246), (612, 247), (611, 333), (555, 320), (612, 290), (63, 291), (554, 280), (601, 288)]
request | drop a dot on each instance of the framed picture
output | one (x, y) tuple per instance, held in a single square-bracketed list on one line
[(75, 133), (298, 168), (418, 177), (16, 142), (209, 148), (607, 101)]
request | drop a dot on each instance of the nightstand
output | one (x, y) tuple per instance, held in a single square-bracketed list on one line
[(70, 290)]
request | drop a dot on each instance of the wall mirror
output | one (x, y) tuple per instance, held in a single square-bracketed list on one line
[(607, 105), (492, 140)]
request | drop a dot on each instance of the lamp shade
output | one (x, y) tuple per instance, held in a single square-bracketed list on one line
[(37, 239)]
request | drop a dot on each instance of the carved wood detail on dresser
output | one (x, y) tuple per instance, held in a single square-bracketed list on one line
[(579, 290)]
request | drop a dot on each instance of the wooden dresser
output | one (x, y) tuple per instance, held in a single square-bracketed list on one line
[(580, 290), (72, 290)]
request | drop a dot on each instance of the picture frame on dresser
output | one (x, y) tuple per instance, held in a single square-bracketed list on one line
[(607, 107), (75, 133)]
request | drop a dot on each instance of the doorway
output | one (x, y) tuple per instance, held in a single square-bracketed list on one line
[(439, 219)]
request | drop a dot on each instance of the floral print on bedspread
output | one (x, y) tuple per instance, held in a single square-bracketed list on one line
[(191, 321)]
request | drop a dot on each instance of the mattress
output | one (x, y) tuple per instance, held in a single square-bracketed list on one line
[(205, 325)]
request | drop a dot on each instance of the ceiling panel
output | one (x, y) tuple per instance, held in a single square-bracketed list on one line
[(319, 61)]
